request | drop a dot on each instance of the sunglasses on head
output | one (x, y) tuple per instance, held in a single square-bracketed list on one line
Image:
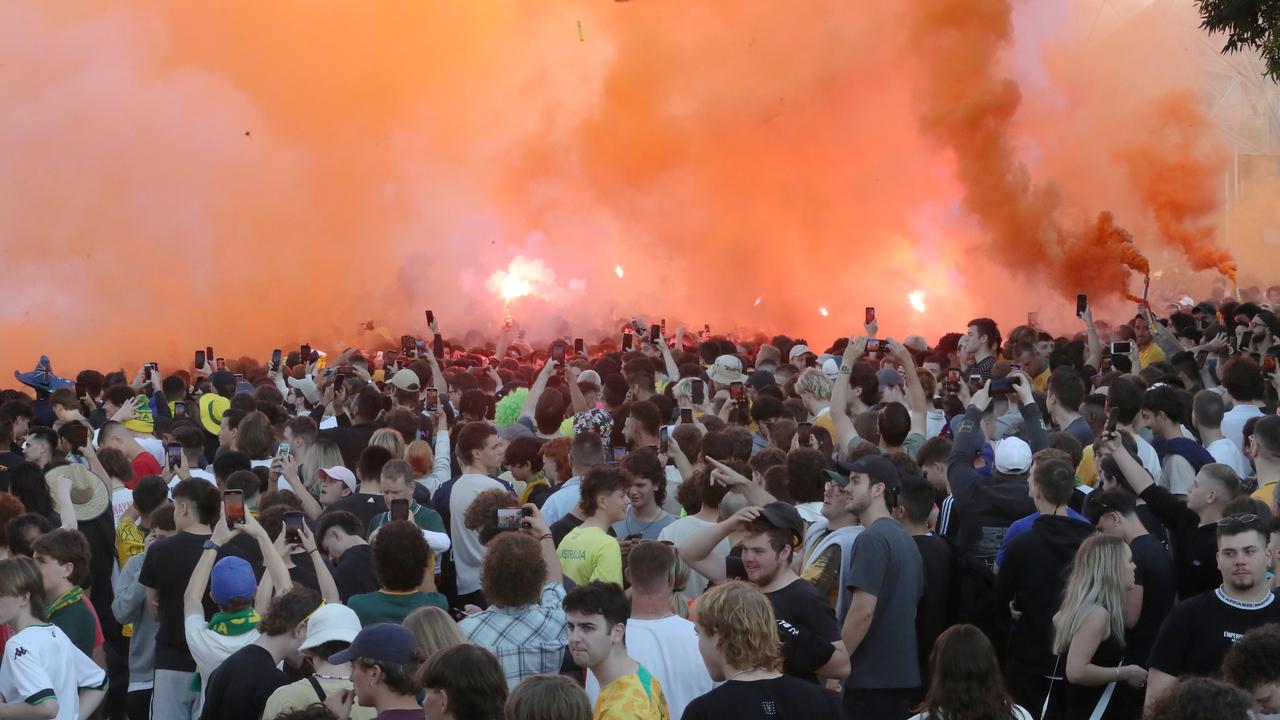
[(1238, 520)]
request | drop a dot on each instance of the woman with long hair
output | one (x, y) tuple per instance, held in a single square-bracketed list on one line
[(319, 454), (965, 681), (433, 630), (1088, 633)]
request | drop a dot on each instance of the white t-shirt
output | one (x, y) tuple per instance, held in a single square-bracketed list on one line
[(677, 533), (1233, 422), (1226, 452), (209, 649), (121, 499), (668, 648), (195, 473), (154, 446), (41, 664), (1019, 713), (468, 553), (1149, 458)]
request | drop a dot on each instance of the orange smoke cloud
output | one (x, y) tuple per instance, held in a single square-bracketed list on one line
[(259, 175)]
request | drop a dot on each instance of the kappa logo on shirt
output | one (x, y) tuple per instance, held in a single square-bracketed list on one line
[(1233, 637), (19, 652)]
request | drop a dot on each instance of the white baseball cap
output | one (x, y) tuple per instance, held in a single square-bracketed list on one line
[(331, 622)]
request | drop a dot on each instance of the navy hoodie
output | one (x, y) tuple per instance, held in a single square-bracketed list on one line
[(1033, 576)]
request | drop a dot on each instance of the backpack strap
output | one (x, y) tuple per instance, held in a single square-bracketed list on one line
[(315, 685)]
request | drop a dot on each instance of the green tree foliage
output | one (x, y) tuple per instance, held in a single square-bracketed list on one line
[(1248, 24)]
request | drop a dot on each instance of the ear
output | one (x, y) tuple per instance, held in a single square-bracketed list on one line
[(618, 633)]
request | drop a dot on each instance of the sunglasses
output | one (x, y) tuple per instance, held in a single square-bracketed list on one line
[(1238, 520)]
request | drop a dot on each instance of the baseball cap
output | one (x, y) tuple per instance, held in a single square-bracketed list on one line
[(799, 350), (879, 469), (406, 380), (341, 474), (385, 642), (1185, 302), (307, 387), (232, 578), (329, 623), (727, 369), (888, 377), (1012, 456), (784, 516)]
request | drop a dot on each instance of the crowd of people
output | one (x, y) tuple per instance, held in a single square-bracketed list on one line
[(1003, 525)]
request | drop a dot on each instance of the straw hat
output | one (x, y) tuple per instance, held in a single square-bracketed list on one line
[(89, 495)]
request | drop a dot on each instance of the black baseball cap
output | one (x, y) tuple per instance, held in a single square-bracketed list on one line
[(785, 517)]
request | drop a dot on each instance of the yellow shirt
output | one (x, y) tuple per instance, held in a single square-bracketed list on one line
[(1266, 492), (589, 553), (824, 421), (637, 696), (1153, 354), (1041, 381), (1087, 470)]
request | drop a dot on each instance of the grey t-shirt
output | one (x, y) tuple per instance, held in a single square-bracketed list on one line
[(886, 563)]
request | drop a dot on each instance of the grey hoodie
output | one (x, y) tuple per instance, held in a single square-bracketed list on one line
[(130, 606)]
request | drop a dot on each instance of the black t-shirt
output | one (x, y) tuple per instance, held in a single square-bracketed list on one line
[(561, 527), (241, 685), (354, 574), (366, 507), (1198, 632), (931, 614), (806, 628), (780, 697), (167, 569), (1154, 571), (1153, 524)]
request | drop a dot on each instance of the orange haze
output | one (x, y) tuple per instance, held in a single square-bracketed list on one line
[(254, 175)]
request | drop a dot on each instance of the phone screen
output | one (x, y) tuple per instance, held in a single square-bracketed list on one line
[(407, 344), (433, 399), (275, 359), (686, 415), (399, 509), (579, 348), (619, 453), (437, 346), (1123, 347), (208, 353), (626, 341), (871, 316), (283, 450), (557, 353), (431, 318), (655, 334), (664, 440), (699, 395), (736, 391), (1082, 303), (507, 518), (173, 453), (803, 433), (873, 347), (306, 354), (292, 527), (233, 505), (221, 363), (179, 410), (199, 358)]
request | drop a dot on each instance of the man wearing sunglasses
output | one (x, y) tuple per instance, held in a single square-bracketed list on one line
[(1198, 633)]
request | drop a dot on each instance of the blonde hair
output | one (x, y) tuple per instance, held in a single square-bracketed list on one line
[(319, 454), (433, 630), (1096, 581), (390, 439), (742, 620), (816, 383)]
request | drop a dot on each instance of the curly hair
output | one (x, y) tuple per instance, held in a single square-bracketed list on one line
[(514, 571), (741, 619), (1196, 698), (601, 480), (314, 711), (644, 463), (480, 512), (401, 556), (1254, 659)]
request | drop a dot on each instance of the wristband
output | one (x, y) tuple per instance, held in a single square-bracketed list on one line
[(548, 536), (211, 545)]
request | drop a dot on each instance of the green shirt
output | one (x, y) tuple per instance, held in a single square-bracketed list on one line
[(384, 606), (76, 619), (423, 516)]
